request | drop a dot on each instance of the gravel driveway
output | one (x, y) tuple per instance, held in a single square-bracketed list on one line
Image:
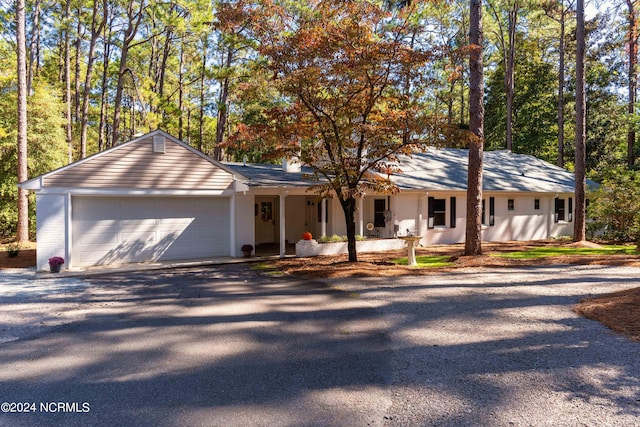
[(228, 346), (502, 347)]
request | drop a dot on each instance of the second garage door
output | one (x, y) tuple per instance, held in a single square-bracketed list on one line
[(116, 230)]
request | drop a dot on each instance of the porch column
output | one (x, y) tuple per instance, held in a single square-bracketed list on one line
[(361, 216), (68, 250), (283, 242), (232, 225), (419, 225), (323, 217)]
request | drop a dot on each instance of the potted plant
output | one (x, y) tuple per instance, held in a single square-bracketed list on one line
[(55, 263), (247, 249)]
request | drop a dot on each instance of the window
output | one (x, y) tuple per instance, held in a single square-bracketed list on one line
[(492, 212), (438, 212), (536, 204), (379, 206), (511, 205), (266, 211), (559, 209)]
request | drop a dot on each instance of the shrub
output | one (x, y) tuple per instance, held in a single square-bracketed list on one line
[(614, 209), (13, 249), (336, 238)]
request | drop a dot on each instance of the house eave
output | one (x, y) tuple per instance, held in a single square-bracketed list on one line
[(141, 192)]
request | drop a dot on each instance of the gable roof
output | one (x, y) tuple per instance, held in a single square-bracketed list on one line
[(442, 170), (135, 164)]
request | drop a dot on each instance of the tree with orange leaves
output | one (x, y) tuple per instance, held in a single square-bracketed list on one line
[(348, 73)]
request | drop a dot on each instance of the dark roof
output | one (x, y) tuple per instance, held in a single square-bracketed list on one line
[(441, 169), (266, 175), (446, 169)]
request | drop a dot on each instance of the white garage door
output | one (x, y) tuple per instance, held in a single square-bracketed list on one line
[(110, 230)]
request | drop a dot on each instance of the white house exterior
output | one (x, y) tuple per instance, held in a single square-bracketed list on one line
[(156, 198)]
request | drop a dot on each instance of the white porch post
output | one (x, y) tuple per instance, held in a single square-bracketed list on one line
[(361, 216), (283, 243), (419, 225), (69, 228), (232, 225), (323, 217)]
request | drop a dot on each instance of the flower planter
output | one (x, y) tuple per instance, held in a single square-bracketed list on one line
[(55, 263), (309, 248)]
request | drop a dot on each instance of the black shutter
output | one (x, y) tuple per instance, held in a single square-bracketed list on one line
[(431, 217), (452, 212), (556, 208), (570, 209), (492, 211)]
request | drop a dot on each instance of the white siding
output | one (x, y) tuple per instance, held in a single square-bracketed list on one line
[(51, 232), (245, 223)]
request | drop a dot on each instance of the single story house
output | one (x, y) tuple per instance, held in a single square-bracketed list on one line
[(156, 198)]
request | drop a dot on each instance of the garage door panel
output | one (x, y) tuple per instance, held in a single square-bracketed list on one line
[(121, 230)]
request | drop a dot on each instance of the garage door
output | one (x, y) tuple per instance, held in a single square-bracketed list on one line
[(114, 230)]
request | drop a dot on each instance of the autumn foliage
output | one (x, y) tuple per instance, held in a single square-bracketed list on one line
[(348, 73)]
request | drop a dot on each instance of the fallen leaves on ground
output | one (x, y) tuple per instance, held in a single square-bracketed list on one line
[(619, 311)]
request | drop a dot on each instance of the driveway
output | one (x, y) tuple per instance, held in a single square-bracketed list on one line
[(217, 346), (231, 347)]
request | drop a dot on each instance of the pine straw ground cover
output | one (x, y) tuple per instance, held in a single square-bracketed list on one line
[(619, 311)]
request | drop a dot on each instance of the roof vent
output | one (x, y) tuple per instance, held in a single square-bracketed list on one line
[(159, 145)]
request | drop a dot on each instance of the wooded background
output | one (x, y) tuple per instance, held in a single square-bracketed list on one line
[(99, 72)]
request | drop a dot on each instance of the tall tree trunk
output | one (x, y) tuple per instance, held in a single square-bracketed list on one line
[(96, 29), (203, 70), (580, 157), (76, 79), (508, 48), (558, 12), (67, 79), (163, 64), (23, 201), (34, 47), (509, 81), (180, 92), (473, 237), (632, 40), (134, 17), (462, 111), (561, 93), (222, 107), (102, 134)]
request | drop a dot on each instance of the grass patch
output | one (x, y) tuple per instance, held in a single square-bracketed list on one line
[(427, 261), (550, 251), (266, 268)]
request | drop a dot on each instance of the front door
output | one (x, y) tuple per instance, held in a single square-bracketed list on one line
[(266, 219)]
